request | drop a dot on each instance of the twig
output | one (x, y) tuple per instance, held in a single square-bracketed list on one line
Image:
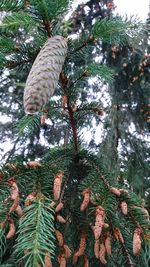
[(89, 40), (101, 176), (12, 150), (73, 126), (12, 64), (66, 137), (134, 220), (63, 189), (127, 255), (78, 79), (47, 26), (64, 82)]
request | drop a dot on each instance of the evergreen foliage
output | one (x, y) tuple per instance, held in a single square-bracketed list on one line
[(62, 199)]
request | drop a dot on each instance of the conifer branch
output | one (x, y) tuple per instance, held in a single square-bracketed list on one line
[(73, 126), (64, 82), (47, 26), (85, 43), (130, 263), (106, 183), (11, 152), (134, 220), (11, 64)]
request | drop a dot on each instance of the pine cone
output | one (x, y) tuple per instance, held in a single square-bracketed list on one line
[(137, 241), (44, 74)]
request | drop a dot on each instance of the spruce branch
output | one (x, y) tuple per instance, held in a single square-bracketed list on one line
[(64, 82), (91, 39), (125, 251), (117, 30), (47, 26), (11, 152), (49, 9), (11, 5), (36, 232), (103, 71), (17, 20), (73, 126), (12, 64)]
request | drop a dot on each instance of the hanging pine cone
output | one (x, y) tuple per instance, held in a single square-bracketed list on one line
[(44, 74), (137, 241)]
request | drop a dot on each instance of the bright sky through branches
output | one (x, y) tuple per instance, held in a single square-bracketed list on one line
[(133, 7), (128, 7)]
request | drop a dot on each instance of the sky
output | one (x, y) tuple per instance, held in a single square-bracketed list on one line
[(133, 7), (129, 7)]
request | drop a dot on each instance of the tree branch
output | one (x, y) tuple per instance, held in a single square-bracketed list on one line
[(73, 126), (47, 27), (85, 43), (64, 82), (130, 263)]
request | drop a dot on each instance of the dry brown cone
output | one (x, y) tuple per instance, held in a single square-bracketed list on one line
[(14, 205), (99, 221), (11, 166), (43, 118), (62, 260), (67, 251), (33, 164), (86, 261), (12, 229), (64, 101), (74, 108), (52, 204), (108, 244), (124, 207), (59, 207), (60, 219), (105, 225), (75, 258), (97, 230), (57, 185), (14, 194), (115, 191), (59, 237), (96, 248), (19, 211), (29, 199), (44, 74), (102, 252), (14, 188), (137, 241), (82, 245), (47, 260), (86, 199), (118, 235)]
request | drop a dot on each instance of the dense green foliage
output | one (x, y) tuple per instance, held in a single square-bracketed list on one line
[(94, 141)]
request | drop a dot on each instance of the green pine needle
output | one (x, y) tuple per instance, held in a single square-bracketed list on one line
[(6, 44), (28, 125), (101, 70), (49, 9), (17, 20), (36, 233), (11, 5), (117, 30)]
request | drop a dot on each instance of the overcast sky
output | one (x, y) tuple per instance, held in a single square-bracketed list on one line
[(133, 7), (129, 7)]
